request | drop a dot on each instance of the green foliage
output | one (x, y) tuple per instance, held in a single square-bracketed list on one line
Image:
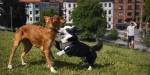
[(49, 12), (146, 9), (146, 40), (90, 17), (113, 34)]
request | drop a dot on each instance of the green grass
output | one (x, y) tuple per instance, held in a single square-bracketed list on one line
[(111, 60)]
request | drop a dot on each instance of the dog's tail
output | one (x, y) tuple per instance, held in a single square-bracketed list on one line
[(98, 46)]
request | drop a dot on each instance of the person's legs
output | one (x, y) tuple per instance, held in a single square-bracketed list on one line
[(129, 41), (132, 42)]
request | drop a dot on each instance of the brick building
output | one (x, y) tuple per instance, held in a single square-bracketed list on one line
[(128, 9)]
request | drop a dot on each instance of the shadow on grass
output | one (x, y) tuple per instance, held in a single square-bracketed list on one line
[(62, 64), (38, 62)]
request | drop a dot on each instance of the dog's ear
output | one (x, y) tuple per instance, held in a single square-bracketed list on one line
[(46, 18)]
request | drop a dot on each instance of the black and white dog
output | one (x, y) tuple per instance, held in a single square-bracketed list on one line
[(69, 44)]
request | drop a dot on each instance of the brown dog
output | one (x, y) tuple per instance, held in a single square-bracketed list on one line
[(41, 37)]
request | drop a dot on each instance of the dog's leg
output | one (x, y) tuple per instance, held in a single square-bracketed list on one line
[(48, 56), (27, 46), (91, 59), (90, 68), (62, 51), (49, 61), (13, 50)]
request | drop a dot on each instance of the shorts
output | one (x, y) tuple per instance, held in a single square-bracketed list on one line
[(130, 38)]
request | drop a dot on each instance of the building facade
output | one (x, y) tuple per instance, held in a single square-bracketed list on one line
[(32, 12), (107, 6), (33, 8), (128, 9), (68, 7)]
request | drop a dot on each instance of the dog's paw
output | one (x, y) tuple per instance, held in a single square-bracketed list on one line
[(24, 63), (9, 66), (60, 53), (90, 68), (53, 70)]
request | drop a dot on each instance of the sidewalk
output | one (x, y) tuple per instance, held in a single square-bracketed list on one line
[(138, 42), (138, 45)]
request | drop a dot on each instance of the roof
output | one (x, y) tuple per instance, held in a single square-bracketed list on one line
[(106, 0), (70, 0)]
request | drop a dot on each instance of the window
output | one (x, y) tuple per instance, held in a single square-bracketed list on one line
[(130, 1), (137, 13), (69, 12), (120, 1), (36, 12), (74, 5), (30, 12), (69, 5), (137, 6), (37, 18), (109, 12), (105, 11), (120, 13), (30, 18), (109, 19), (36, 6), (105, 4), (129, 13), (109, 4), (129, 7), (138, 1)]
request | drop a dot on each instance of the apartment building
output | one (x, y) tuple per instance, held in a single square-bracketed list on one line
[(32, 8), (108, 7), (127, 9), (68, 7)]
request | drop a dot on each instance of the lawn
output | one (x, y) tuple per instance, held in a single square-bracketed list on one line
[(111, 60)]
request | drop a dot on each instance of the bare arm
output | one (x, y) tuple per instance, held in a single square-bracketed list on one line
[(134, 23)]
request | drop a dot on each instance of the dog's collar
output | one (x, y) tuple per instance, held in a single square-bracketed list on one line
[(54, 29)]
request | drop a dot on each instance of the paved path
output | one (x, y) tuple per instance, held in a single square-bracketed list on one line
[(138, 42)]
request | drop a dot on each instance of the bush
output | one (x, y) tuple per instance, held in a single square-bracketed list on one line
[(146, 40), (113, 34)]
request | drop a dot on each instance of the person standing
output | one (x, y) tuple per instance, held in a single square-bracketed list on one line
[(131, 34)]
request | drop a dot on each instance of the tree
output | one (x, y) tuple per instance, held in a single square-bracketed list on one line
[(146, 15), (146, 10), (90, 17), (18, 13)]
